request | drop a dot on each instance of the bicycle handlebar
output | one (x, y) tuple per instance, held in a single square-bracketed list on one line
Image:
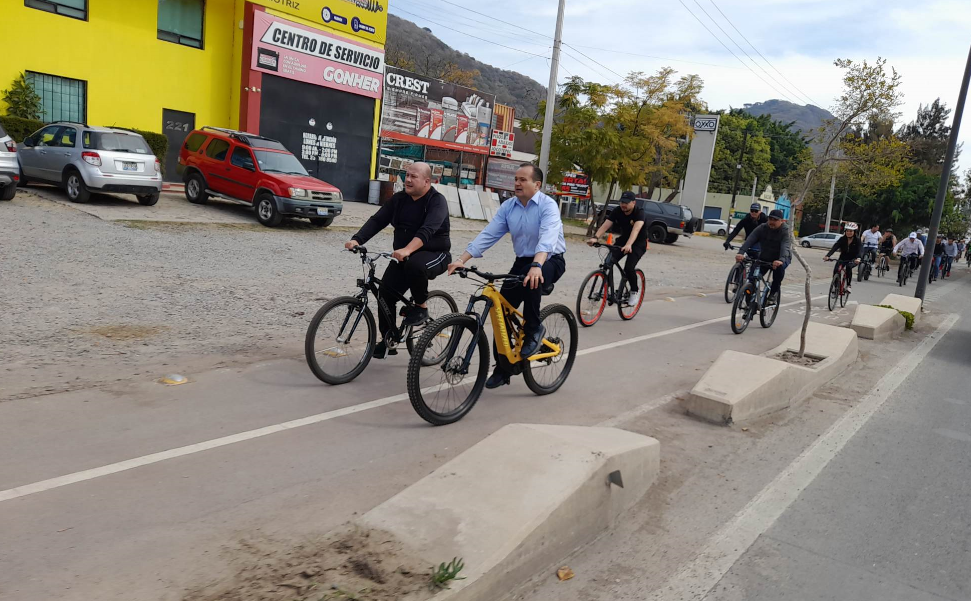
[(374, 256), (605, 245), (491, 277)]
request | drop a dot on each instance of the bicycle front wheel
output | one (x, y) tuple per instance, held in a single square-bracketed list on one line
[(834, 291), (545, 376), (733, 283), (592, 298), (627, 311), (340, 340), (443, 391), (767, 315), (742, 308), (439, 304)]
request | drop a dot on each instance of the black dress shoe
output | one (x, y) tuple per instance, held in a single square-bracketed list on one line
[(497, 379), (533, 342), (381, 350), (415, 316)]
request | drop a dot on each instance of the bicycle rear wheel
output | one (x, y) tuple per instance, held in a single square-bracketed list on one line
[(439, 304), (442, 392), (834, 291), (545, 376), (340, 340), (742, 308), (733, 283), (592, 298), (626, 311)]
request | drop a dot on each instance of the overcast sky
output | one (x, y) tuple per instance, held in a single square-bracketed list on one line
[(926, 40)]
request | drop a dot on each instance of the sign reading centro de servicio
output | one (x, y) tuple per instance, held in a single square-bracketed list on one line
[(422, 110), (293, 51), (366, 19)]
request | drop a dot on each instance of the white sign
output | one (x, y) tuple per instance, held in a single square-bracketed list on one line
[(325, 46), (317, 147), (502, 142), (706, 123)]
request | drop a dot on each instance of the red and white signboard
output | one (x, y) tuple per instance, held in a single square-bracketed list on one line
[(502, 144), (291, 50)]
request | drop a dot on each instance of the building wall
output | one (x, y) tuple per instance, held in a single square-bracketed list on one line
[(131, 74)]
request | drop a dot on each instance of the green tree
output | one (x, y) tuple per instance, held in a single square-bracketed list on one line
[(756, 162), (928, 135), (22, 101)]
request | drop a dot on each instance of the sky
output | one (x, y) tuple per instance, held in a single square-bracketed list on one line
[(926, 41)]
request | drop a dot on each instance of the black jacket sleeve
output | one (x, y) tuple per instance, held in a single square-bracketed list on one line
[(435, 216), (377, 222), (839, 246), (753, 238), (738, 228)]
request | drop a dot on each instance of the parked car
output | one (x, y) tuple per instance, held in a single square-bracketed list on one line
[(716, 226), (820, 240), (83, 159), (9, 169), (667, 221), (257, 172)]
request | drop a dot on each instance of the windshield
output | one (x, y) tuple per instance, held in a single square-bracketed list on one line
[(279, 162), (116, 142)]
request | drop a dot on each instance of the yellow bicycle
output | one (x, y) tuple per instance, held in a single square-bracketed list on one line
[(444, 387)]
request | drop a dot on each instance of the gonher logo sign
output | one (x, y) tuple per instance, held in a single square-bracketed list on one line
[(706, 123)]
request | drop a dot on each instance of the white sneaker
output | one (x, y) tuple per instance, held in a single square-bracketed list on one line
[(635, 297)]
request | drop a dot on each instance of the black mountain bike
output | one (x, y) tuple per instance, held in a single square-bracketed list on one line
[(598, 291), (737, 276), (754, 298), (866, 265), (341, 337), (905, 269)]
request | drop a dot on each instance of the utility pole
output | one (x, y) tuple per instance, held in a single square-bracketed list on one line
[(925, 267), (843, 204), (829, 209), (544, 153), (755, 183), (738, 174)]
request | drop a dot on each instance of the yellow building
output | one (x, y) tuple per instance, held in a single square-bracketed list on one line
[(306, 72)]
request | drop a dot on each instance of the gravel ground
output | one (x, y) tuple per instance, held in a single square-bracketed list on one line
[(87, 302)]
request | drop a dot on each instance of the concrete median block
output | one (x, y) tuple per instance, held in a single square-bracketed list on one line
[(518, 502), (877, 323), (900, 302)]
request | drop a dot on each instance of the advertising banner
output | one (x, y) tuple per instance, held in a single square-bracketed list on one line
[(575, 184), (501, 174), (291, 50), (366, 19), (422, 110)]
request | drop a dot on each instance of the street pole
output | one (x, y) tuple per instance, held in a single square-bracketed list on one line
[(755, 182), (738, 174), (829, 209), (843, 204), (925, 267), (544, 152)]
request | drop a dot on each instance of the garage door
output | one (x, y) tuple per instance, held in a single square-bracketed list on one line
[(713, 212)]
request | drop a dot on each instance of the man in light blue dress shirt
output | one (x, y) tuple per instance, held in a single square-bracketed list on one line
[(533, 221)]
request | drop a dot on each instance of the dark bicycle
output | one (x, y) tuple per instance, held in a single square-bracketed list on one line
[(839, 287), (866, 265), (754, 298), (737, 276), (883, 264), (906, 269), (597, 291), (341, 338)]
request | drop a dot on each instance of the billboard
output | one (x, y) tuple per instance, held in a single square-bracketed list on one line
[(291, 50), (422, 110), (575, 184), (366, 19), (501, 174)]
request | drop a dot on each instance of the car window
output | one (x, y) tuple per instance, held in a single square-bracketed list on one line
[(115, 142), (2, 133), (66, 137), (672, 210), (194, 142), (242, 158), (45, 137), (217, 149), (652, 207)]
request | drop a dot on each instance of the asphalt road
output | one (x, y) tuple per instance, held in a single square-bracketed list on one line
[(142, 491)]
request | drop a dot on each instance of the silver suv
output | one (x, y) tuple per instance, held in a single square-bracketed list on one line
[(82, 159), (9, 171)]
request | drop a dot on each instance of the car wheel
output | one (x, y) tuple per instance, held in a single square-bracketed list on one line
[(721, 232), (657, 234), (8, 192), (75, 188), (806, 244), (671, 239), (195, 189), (148, 199), (266, 211), (321, 222)]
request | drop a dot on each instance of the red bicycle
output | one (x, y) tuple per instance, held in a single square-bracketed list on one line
[(839, 288)]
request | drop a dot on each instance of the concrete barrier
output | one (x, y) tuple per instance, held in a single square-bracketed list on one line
[(518, 502), (877, 323), (739, 386), (900, 302)]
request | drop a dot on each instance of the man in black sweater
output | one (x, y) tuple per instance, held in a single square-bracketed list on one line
[(772, 240), (419, 215), (754, 219)]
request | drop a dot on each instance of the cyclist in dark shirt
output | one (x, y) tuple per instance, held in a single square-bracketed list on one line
[(754, 219), (419, 215), (772, 240), (633, 240), (851, 249)]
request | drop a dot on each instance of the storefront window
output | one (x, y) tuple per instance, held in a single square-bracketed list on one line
[(77, 9), (181, 21), (61, 99)]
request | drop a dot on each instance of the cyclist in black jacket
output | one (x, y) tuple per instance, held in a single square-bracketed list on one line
[(754, 219), (851, 249)]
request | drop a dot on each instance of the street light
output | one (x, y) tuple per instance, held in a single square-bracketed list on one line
[(544, 152)]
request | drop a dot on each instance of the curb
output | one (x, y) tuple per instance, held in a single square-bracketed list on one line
[(904, 303), (877, 323)]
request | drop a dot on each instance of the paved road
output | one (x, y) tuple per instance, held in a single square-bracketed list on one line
[(145, 530)]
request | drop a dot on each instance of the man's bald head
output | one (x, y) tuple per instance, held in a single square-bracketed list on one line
[(418, 179)]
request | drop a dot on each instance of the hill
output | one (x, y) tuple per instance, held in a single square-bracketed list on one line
[(807, 118), (427, 52)]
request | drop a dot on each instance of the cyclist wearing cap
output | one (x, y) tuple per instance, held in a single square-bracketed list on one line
[(910, 247), (754, 219), (851, 249), (633, 240), (772, 240), (871, 240), (887, 242)]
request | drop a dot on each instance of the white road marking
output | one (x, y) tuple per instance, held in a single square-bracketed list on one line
[(121, 466), (963, 437), (640, 410), (699, 577)]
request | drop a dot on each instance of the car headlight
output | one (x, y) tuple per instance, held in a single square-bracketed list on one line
[(299, 193)]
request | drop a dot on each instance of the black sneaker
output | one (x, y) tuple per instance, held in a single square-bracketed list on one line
[(533, 342), (497, 379), (381, 350), (415, 316)]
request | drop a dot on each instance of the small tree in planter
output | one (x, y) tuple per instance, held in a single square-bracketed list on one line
[(870, 95), (22, 101)]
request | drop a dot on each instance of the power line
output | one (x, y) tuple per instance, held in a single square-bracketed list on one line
[(466, 33), (622, 77), (493, 30), (661, 58), (804, 95)]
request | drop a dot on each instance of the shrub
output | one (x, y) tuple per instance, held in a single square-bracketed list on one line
[(18, 128), (908, 317), (22, 101)]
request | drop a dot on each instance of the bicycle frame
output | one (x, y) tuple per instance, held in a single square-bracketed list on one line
[(371, 283)]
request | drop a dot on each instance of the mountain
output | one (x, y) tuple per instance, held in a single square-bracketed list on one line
[(428, 52), (807, 118)]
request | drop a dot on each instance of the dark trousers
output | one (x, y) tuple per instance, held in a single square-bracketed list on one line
[(630, 266), (849, 270), (413, 274), (778, 274), (517, 294)]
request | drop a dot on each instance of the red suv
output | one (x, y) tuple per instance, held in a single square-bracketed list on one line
[(255, 171)]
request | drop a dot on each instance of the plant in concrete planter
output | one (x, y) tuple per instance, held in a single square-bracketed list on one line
[(908, 317)]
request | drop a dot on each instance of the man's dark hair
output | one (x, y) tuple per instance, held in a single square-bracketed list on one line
[(537, 174)]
